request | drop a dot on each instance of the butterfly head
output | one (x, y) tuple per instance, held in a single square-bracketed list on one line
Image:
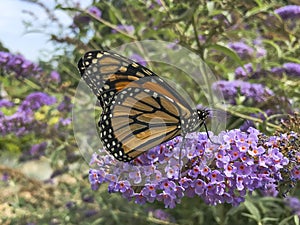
[(202, 114), (194, 122)]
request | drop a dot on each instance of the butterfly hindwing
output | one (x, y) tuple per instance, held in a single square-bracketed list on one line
[(138, 120)]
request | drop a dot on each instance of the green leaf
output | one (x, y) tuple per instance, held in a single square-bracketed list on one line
[(291, 59), (268, 219), (245, 109), (275, 46), (227, 51), (253, 210), (286, 221), (259, 9)]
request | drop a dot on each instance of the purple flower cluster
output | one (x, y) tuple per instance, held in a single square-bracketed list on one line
[(290, 69), (23, 119), (218, 174), (38, 149), (17, 64), (245, 51), (16, 123), (36, 100), (294, 204), (5, 177), (35, 152), (6, 103), (232, 89), (84, 19), (65, 105), (289, 12), (242, 49), (55, 77), (162, 215)]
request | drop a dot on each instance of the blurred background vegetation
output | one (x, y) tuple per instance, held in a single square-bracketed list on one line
[(44, 179)]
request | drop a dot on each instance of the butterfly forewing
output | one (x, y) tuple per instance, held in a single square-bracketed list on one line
[(107, 73)]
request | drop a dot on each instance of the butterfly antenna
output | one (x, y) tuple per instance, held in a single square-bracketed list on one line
[(208, 137)]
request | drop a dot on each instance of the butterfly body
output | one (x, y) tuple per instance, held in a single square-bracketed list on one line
[(140, 110)]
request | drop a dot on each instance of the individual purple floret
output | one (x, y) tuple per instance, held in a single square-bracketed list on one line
[(289, 12), (242, 72), (218, 173), (232, 89), (95, 11)]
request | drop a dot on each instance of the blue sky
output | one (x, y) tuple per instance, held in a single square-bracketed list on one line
[(12, 30)]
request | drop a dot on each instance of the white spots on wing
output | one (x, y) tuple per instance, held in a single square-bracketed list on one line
[(135, 65)]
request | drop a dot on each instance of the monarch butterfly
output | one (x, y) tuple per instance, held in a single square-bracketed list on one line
[(139, 109)]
